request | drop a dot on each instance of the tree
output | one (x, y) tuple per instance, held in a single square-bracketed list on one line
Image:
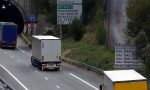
[(147, 58), (101, 34), (53, 11), (77, 29), (141, 43), (41, 6), (138, 12)]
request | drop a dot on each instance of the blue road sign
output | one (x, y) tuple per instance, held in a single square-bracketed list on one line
[(32, 18)]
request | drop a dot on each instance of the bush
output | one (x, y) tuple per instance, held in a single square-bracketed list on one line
[(100, 34), (77, 29)]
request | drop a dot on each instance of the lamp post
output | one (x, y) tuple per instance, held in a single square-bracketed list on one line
[(3, 6)]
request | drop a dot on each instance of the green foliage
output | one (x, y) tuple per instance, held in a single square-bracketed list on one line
[(77, 29), (91, 54), (101, 34), (41, 6), (141, 42), (138, 12), (88, 10), (147, 58), (91, 10), (53, 11)]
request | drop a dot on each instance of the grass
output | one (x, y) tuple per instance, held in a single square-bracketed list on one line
[(28, 37), (92, 54)]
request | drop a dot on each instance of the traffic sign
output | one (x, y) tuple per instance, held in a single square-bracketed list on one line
[(68, 10), (32, 18), (29, 25)]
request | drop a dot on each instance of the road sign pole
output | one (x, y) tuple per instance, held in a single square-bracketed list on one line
[(60, 27)]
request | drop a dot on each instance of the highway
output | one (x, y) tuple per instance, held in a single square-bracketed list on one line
[(17, 62), (117, 21)]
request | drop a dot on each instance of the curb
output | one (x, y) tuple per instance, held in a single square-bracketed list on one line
[(26, 40), (70, 61), (83, 65)]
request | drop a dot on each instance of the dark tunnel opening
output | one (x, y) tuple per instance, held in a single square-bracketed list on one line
[(10, 13)]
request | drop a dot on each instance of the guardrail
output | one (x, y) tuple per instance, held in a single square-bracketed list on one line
[(74, 62), (11, 82), (82, 65), (4, 86)]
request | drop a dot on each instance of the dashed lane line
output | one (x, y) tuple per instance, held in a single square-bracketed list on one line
[(46, 78), (57, 86), (21, 50), (83, 81)]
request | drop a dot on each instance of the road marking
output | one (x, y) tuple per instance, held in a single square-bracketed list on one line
[(36, 71), (12, 56), (18, 60), (5, 52), (57, 86), (14, 77), (46, 78), (21, 50), (83, 81), (27, 65)]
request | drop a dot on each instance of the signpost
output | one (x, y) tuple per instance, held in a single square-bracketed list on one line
[(67, 11), (31, 26), (125, 57), (32, 18)]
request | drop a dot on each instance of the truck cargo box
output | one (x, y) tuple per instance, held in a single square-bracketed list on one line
[(46, 50), (8, 34)]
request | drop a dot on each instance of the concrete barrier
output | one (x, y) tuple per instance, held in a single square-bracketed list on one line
[(10, 79)]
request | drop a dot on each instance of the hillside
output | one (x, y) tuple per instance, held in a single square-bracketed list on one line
[(91, 47)]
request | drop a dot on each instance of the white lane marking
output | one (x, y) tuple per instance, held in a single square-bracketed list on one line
[(57, 86), (18, 60), (12, 56), (83, 81), (36, 71), (5, 52), (46, 78), (27, 65), (14, 77), (21, 50)]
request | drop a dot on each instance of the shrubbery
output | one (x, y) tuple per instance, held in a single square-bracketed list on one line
[(77, 29), (101, 34)]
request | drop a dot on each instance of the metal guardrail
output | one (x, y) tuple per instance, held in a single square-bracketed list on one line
[(4, 86), (82, 65), (74, 62), (9, 81)]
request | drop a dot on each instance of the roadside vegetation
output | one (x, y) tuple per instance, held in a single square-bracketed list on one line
[(84, 39), (138, 12)]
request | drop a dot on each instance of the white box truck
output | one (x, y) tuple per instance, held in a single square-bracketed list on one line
[(46, 52)]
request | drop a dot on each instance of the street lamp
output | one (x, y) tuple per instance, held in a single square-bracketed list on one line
[(3, 7)]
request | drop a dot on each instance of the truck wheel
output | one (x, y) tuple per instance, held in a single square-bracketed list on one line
[(32, 62), (57, 69), (40, 67)]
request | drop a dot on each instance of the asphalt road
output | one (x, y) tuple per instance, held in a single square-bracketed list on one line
[(117, 21), (70, 77)]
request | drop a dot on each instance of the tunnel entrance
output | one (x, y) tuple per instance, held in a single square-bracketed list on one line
[(10, 13)]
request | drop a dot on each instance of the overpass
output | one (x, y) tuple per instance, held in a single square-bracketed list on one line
[(16, 11)]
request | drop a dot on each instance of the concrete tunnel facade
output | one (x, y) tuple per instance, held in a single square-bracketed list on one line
[(10, 13)]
